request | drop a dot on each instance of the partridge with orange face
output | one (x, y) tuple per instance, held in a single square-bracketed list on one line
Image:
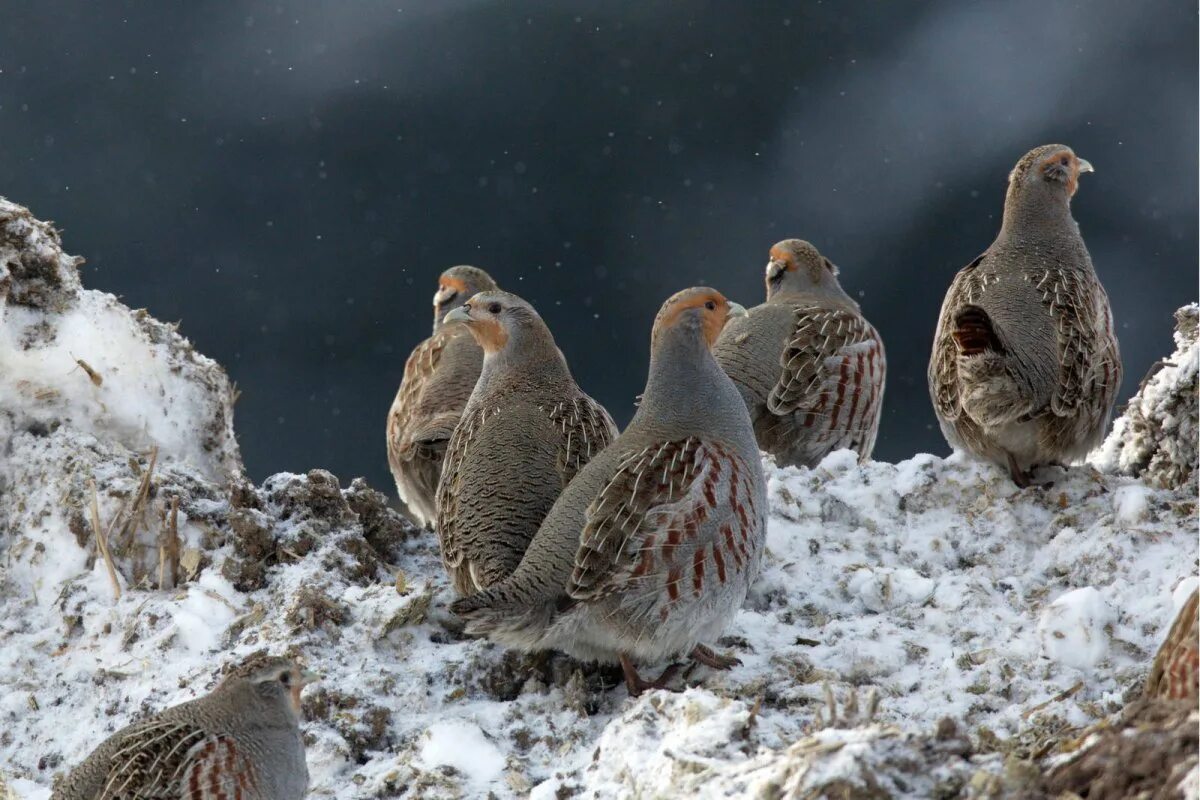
[(242, 740), (1025, 366), (649, 552), (525, 433), (808, 364), (438, 379)]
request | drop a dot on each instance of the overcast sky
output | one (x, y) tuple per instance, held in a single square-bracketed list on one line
[(289, 178)]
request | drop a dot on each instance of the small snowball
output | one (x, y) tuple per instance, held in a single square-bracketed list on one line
[(884, 589), (1131, 504), (1072, 628)]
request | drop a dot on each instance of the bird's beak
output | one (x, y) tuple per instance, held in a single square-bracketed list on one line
[(775, 268), (444, 295), (736, 309), (308, 676), (1085, 165), (456, 315)]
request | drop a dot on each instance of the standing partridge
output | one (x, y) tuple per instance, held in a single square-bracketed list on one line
[(809, 366), (525, 433), (1175, 674), (438, 378), (1025, 365), (649, 552), (240, 741)]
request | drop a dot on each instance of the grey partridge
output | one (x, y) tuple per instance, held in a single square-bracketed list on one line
[(240, 741), (808, 364), (526, 431), (1025, 366), (438, 378), (649, 552), (1175, 674)]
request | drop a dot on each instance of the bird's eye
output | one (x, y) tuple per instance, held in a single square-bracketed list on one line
[(494, 308), (467, 307), (286, 679), (710, 305)]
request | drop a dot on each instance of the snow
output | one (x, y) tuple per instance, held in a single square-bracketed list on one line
[(933, 585), (1072, 628)]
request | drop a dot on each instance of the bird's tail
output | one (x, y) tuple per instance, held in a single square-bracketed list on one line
[(500, 616)]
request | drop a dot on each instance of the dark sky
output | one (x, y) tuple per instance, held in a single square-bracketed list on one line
[(289, 178)]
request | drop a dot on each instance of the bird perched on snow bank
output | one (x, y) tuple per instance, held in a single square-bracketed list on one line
[(526, 431), (649, 552), (1025, 365), (1175, 674), (438, 378), (242, 740), (809, 366)]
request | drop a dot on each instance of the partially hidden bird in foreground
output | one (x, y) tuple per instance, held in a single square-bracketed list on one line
[(808, 364), (240, 741), (438, 379), (526, 431), (1025, 365), (1175, 674), (649, 552)]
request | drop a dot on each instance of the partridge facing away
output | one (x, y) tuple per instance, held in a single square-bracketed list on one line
[(808, 364), (649, 552), (438, 378), (525, 433), (241, 740), (1025, 365), (1175, 674)]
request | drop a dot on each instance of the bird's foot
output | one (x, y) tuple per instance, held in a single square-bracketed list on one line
[(1019, 476), (710, 658)]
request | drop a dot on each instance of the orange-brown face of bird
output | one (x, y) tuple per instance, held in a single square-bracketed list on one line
[(481, 314), (709, 305), (449, 288), (1064, 166)]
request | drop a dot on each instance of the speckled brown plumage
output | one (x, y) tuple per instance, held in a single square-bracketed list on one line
[(439, 376), (650, 550), (808, 364), (526, 431), (1025, 365), (241, 742), (1175, 674)]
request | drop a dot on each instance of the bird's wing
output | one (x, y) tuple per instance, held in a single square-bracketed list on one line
[(403, 424), (943, 365), (644, 524), (1090, 364), (1173, 675), (833, 372), (585, 428), (176, 760)]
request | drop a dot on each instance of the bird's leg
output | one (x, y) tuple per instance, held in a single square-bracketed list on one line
[(637, 684), (710, 658), (1019, 476)]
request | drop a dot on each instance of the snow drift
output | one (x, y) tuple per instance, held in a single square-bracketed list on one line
[(921, 629)]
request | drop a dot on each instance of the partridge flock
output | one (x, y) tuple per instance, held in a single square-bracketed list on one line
[(639, 547)]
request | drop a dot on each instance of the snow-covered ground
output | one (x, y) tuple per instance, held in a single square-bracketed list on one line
[(916, 624)]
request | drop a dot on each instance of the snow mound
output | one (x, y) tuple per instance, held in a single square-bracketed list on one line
[(136, 562), (1156, 438), (77, 357)]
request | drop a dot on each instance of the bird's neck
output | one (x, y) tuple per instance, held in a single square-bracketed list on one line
[(1031, 216), (686, 387), (529, 356)]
